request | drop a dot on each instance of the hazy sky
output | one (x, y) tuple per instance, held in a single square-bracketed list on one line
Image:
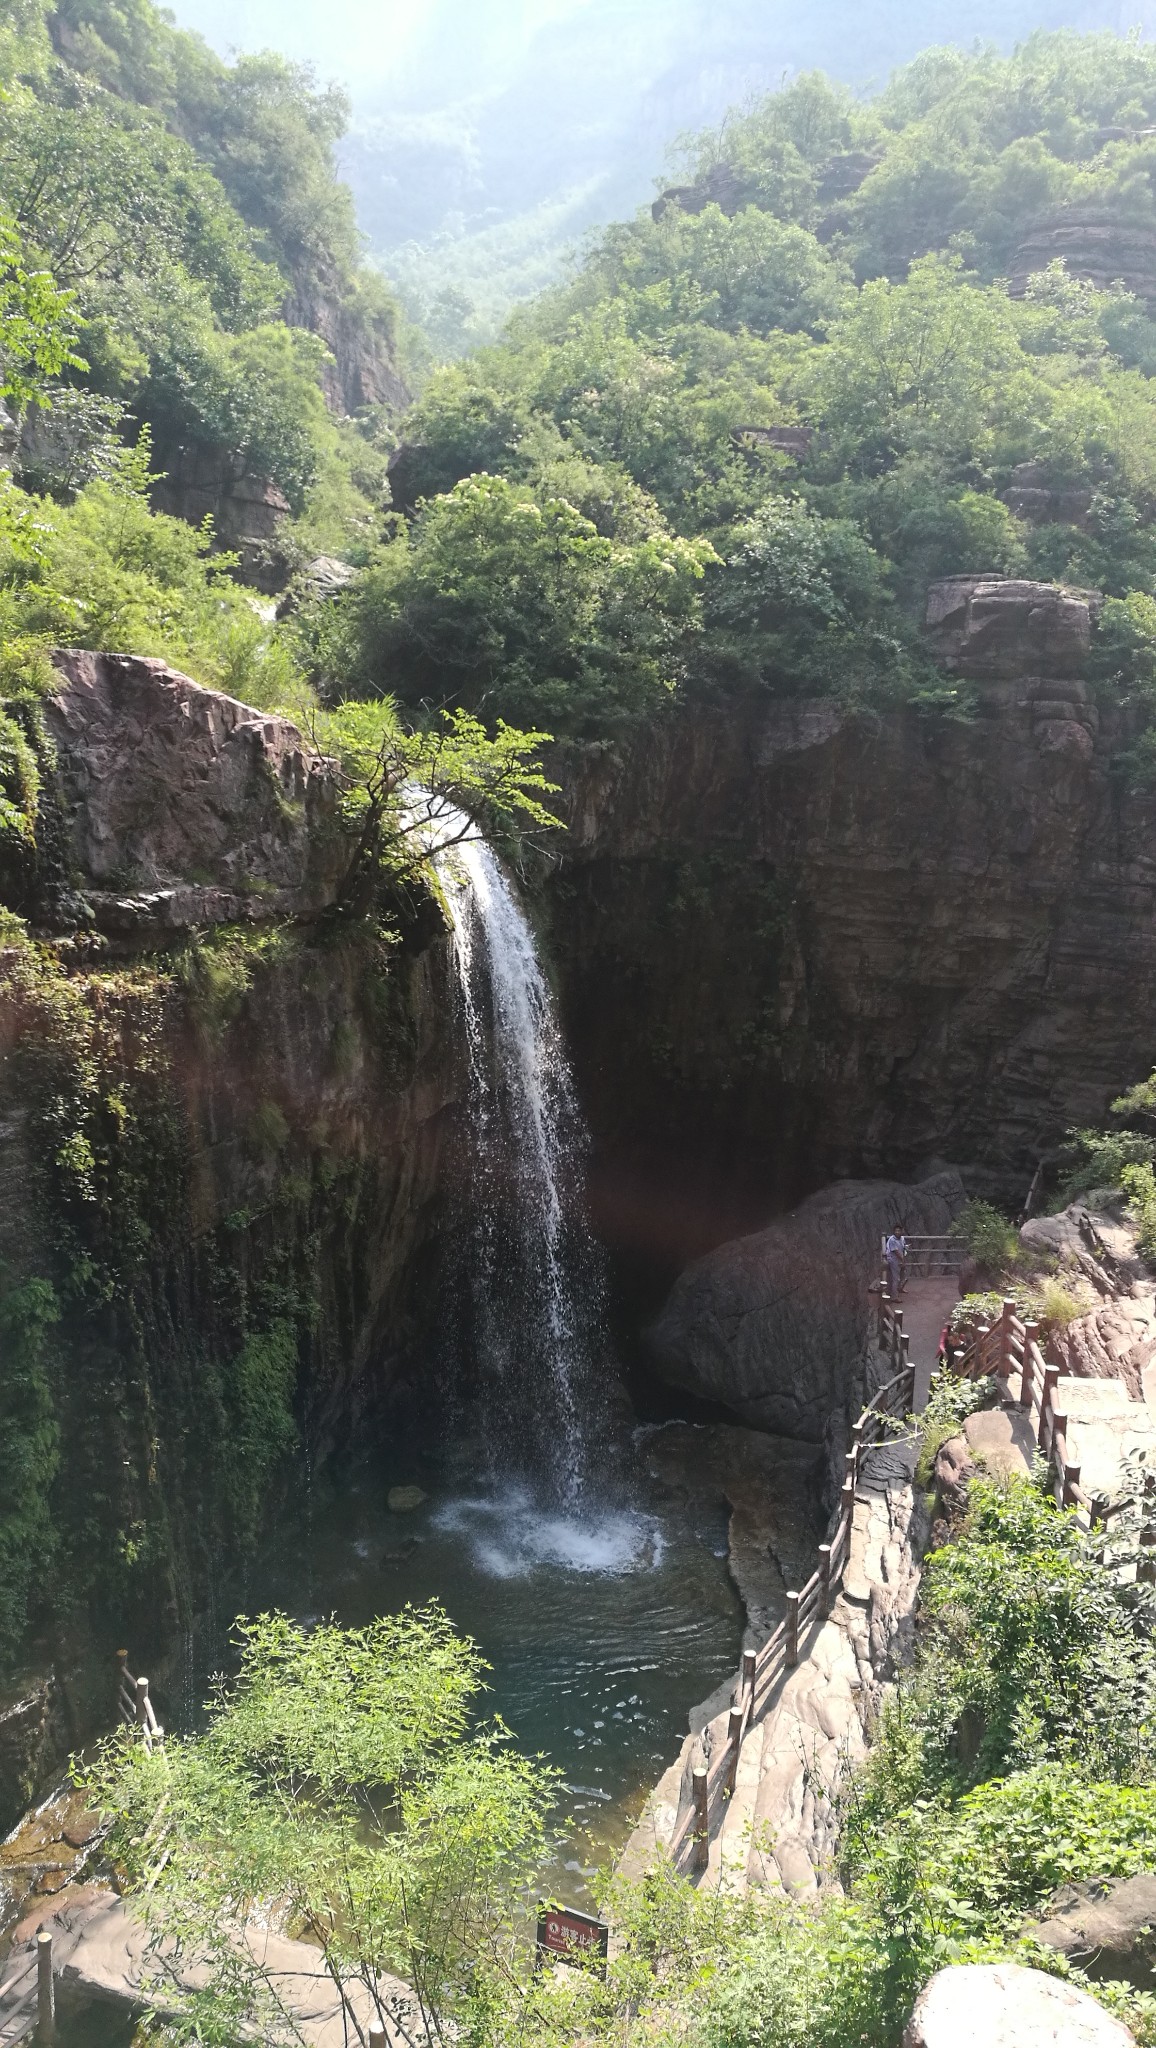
[(368, 43), (534, 120)]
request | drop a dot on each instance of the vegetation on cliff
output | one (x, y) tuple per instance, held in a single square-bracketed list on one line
[(191, 210)]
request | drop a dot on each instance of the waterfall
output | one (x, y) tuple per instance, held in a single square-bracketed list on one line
[(531, 1271)]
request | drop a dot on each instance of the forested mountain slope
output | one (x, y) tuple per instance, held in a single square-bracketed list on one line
[(866, 346), (192, 211)]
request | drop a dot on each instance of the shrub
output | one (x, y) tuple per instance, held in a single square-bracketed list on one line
[(992, 1241)]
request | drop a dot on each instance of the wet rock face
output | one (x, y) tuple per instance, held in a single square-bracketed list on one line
[(798, 944), (775, 1325), (181, 806)]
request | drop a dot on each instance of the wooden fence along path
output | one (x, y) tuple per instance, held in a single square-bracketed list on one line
[(713, 1782), (1010, 1348), (134, 1707)]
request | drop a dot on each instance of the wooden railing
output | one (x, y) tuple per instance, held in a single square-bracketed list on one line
[(928, 1256), (134, 1707), (712, 1781), (1010, 1349)]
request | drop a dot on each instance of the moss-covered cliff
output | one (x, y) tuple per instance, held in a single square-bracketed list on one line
[(221, 1111)]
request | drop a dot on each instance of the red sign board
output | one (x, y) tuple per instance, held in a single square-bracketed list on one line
[(575, 1937)]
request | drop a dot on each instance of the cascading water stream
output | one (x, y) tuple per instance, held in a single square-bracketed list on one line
[(533, 1276)]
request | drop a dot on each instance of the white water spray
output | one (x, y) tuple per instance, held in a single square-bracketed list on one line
[(535, 1282)]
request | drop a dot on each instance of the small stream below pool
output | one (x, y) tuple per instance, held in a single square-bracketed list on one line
[(603, 1628)]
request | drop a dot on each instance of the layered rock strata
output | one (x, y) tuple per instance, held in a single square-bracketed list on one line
[(799, 942)]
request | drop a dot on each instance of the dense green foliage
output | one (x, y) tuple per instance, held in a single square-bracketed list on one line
[(192, 210), (838, 266), (342, 1776)]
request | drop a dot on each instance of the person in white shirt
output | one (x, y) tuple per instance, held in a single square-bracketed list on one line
[(895, 1253)]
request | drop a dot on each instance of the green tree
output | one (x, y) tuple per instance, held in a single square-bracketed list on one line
[(37, 323), (520, 609), (342, 1774)]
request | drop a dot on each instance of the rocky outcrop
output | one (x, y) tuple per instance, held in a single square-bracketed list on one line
[(247, 511), (1002, 2005), (1106, 1928), (775, 1325), (1035, 493), (994, 629), (179, 806), (798, 942), (1097, 246)]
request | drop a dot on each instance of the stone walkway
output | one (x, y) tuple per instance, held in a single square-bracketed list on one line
[(779, 1829), (99, 1957)]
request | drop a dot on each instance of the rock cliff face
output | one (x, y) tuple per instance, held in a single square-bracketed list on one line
[(159, 782), (1096, 246), (222, 1118), (798, 943), (775, 1325)]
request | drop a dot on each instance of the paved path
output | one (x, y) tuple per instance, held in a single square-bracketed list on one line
[(926, 1306)]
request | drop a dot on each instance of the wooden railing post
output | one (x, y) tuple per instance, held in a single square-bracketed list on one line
[(824, 1579), (1047, 1396), (121, 1668), (378, 2037), (750, 1661), (1071, 1478), (1005, 1337), (701, 1816), (142, 1702), (792, 1628), (734, 1740), (45, 1990), (1027, 1377)]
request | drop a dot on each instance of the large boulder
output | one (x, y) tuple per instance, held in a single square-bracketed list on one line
[(775, 1325), (1002, 2005), (179, 805), (1106, 1927)]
